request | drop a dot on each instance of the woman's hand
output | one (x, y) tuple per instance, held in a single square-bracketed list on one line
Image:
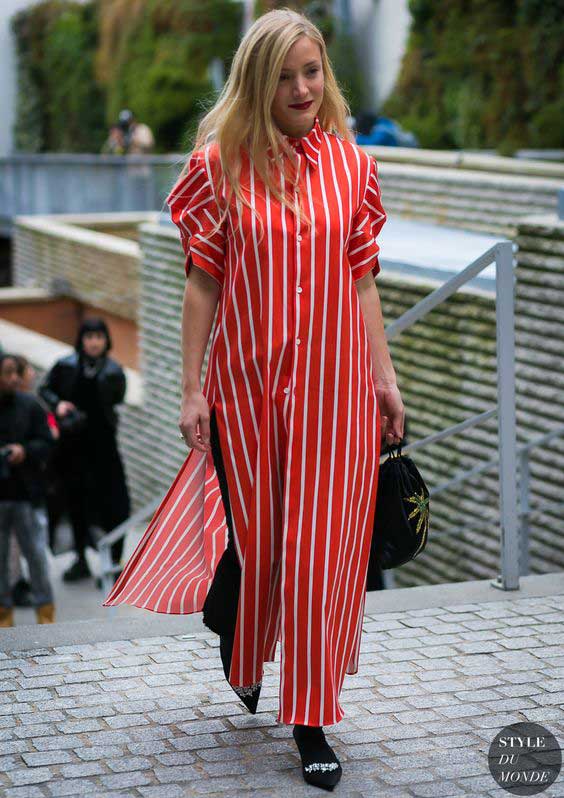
[(392, 412), (194, 421), (64, 408)]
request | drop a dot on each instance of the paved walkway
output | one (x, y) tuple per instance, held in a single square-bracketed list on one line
[(154, 717)]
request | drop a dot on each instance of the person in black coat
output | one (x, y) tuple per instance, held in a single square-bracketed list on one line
[(83, 390), (25, 441)]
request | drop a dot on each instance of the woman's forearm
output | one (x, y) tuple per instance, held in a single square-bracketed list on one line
[(201, 294), (383, 369)]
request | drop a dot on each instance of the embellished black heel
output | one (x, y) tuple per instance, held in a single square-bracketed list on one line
[(320, 765), (248, 695)]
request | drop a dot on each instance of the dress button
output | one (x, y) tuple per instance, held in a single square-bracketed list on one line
[(299, 237), (286, 390), (299, 289), (298, 341)]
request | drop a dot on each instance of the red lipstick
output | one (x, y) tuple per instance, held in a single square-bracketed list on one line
[(302, 106)]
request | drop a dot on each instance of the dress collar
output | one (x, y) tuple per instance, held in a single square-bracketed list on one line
[(310, 144)]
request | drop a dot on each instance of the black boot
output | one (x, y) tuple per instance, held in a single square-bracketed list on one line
[(248, 695), (78, 570), (320, 765), (21, 594)]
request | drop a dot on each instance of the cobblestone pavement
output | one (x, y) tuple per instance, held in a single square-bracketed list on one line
[(155, 718)]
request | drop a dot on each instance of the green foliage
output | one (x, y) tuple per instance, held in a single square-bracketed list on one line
[(483, 74), (79, 64), (59, 105), (159, 68)]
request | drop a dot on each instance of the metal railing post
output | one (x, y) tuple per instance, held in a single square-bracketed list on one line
[(507, 429), (524, 508)]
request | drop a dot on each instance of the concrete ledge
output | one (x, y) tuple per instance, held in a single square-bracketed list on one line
[(54, 226), (465, 160), (24, 637), (13, 294)]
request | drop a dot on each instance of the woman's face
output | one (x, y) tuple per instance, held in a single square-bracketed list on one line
[(300, 83), (94, 343)]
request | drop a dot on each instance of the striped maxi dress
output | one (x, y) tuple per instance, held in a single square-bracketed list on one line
[(290, 378)]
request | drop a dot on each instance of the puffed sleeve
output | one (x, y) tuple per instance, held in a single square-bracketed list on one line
[(195, 211), (367, 222)]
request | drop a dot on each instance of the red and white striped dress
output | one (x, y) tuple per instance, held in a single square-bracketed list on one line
[(290, 377)]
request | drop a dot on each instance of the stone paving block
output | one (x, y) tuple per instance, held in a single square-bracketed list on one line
[(182, 773), (148, 733), (411, 776), (15, 708), (203, 726), (436, 790), (23, 792), (90, 753), (401, 691), (76, 689), (82, 769), (187, 757), (32, 730), (553, 685), (46, 717), (29, 776), (480, 646), (485, 634), (496, 721), (184, 743), (382, 625), (521, 620), (38, 758), (9, 762), (462, 710), (124, 764), (13, 746), (126, 721), (163, 791), (162, 680), (478, 768), (478, 695), (211, 711), (28, 695), (401, 643), (415, 716), (121, 780), (249, 722), (444, 686), (431, 700), (78, 726), (514, 690)]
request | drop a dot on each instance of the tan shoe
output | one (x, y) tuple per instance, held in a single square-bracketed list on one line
[(6, 616), (45, 613)]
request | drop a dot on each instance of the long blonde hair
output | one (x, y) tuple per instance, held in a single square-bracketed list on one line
[(241, 116)]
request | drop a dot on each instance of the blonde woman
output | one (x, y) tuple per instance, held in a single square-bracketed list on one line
[(267, 526)]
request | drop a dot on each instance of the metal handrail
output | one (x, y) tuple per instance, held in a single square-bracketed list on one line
[(502, 254)]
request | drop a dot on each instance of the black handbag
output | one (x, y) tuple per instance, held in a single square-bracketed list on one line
[(401, 518)]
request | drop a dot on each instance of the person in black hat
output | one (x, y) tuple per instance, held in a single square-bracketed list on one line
[(83, 390)]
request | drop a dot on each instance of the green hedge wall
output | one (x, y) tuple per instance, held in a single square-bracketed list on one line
[(79, 64), (156, 63), (59, 106), (483, 74)]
